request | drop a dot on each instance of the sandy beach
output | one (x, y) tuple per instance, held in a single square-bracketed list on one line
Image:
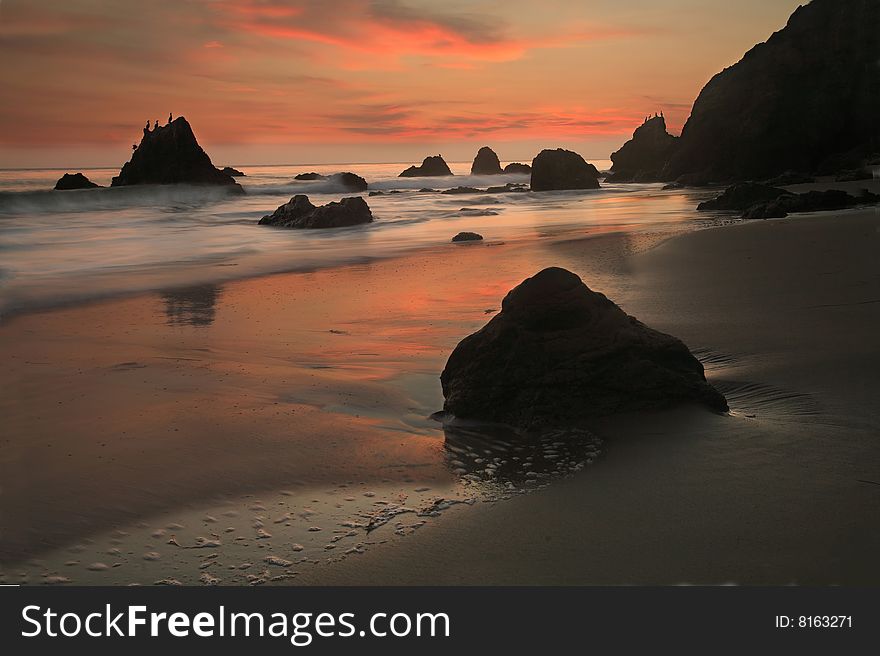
[(135, 423)]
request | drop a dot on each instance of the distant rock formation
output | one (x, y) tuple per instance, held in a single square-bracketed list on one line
[(309, 176), (742, 196), (486, 162), (300, 213), (642, 158), (559, 353), (348, 181), (462, 190), (433, 165), (806, 100), (811, 201), (510, 187), (235, 173), (467, 236), (170, 154), (516, 167), (562, 169), (70, 181)]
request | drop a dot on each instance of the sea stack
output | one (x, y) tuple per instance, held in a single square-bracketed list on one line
[(486, 163), (516, 167), (170, 154), (562, 169), (806, 100), (559, 354), (433, 165), (642, 158), (299, 212), (70, 181)]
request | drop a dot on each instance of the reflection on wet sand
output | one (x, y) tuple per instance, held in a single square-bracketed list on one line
[(191, 306)]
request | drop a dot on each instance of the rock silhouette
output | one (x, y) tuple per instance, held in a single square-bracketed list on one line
[(300, 213), (171, 155), (70, 181), (309, 176), (433, 165), (467, 236), (562, 169), (516, 167), (742, 196), (642, 158), (559, 353), (486, 162), (811, 201), (806, 100), (235, 173), (349, 181)]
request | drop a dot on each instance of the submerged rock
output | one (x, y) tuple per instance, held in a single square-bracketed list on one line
[(170, 154), (516, 167), (559, 353), (300, 213), (468, 236), (742, 196), (309, 176), (70, 181), (811, 201), (348, 181), (235, 173), (486, 163), (642, 158), (433, 165), (510, 187), (562, 169)]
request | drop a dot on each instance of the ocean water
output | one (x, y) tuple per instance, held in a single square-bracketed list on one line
[(63, 247)]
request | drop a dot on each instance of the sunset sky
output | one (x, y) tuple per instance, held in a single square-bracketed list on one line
[(314, 81)]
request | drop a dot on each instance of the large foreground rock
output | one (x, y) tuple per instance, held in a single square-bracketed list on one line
[(486, 162), (642, 158), (811, 201), (559, 353), (70, 181), (170, 154), (562, 169), (806, 100), (742, 196), (300, 213), (433, 165)]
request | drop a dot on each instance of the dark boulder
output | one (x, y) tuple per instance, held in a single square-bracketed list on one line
[(467, 236), (433, 165), (309, 176), (300, 213), (510, 187), (171, 155), (70, 181), (642, 158), (806, 100), (348, 181), (742, 196), (235, 173), (811, 201), (559, 353), (516, 167), (486, 163), (562, 169)]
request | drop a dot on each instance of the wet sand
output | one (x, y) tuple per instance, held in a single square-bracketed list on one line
[(278, 403), (785, 490)]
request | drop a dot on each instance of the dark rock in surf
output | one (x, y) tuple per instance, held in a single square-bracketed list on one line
[(789, 178), (433, 165), (562, 169), (170, 154), (300, 213), (467, 236), (811, 201), (559, 353), (516, 167), (486, 162), (309, 176), (461, 190), (742, 196), (642, 158), (348, 181), (235, 173), (70, 181)]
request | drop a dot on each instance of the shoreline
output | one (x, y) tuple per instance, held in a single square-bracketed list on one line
[(278, 339)]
